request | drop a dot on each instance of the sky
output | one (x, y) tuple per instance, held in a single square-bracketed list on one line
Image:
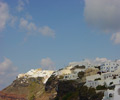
[(49, 34)]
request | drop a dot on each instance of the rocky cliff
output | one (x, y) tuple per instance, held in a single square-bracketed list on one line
[(56, 88), (26, 89), (72, 90)]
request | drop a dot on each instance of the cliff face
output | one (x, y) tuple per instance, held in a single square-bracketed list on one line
[(30, 89), (56, 88), (72, 90), (5, 96), (66, 89), (23, 89), (52, 83)]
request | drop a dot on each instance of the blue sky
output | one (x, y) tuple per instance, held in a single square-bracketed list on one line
[(45, 33)]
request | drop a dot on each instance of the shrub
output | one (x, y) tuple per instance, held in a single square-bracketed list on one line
[(81, 74), (61, 77), (82, 67), (32, 97), (101, 87), (111, 83), (97, 79), (114, 77)]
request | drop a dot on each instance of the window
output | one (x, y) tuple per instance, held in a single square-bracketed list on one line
[(66, 77), (110, 95), (95, 83)]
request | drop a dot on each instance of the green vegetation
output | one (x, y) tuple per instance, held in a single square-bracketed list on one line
[(111, 87), (97, 67), (101, 87), (81, 74), (89, 94), (71, 95), (111, 83), (32, 97), (82, 67), (70, 90), (61, 77), (51, 79), (97, 79)]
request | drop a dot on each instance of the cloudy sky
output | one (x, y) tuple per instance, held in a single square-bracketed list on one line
[(50, 34)]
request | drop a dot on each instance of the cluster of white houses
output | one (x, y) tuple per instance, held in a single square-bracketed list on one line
[(112, 94), (108, 69), (109, 66), (109, 79), (45, 74), (108, 73)]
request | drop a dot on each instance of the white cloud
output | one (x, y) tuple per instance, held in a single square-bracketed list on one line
[(97, 61), (47, 31), (13, 20), (28, 16), (116, 38), (101, 59), (7, 72), (25, 24), (103, 14), (30, 27), (20, 6), (47, 63), (4, 15)]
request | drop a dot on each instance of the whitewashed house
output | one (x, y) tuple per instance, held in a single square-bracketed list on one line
[(45, 74), (108, 95), (93, 77), (93, 84), (71, 76), (82, 63), (113, 81), (112, 94), (109, 66), (106, 75), (77, 69)]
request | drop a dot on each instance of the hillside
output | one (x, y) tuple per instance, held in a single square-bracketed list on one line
[(55, 89), (69, 83)]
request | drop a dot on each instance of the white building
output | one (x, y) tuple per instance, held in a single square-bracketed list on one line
[(112, 94), (108, 95), (82, 63), (105, 78), (94, 84), (71, 77), (109, 82), (107, 75), (109, 66), (93, 77), (45, 74)]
